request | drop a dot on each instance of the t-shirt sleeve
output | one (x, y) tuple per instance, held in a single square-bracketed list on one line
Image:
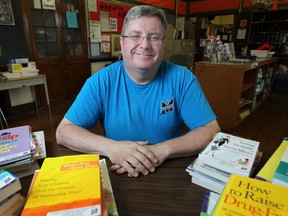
[(194, 108), (86, 109)]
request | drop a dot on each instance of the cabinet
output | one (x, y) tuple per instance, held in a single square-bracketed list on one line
[(270, 27), (178, 48), (187, 48), (182, 47), (57, 41), (234, 90)]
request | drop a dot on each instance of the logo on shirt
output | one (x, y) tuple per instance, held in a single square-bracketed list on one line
[(167, 106)]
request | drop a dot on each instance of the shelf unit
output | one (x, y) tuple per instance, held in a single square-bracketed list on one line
[(271, 27), (232, 89)]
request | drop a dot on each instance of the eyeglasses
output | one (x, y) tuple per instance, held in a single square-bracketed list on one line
[(154, 39)]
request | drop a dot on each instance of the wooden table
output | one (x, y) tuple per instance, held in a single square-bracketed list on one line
[(168, 191)]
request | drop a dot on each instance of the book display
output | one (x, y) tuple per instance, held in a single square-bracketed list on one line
[(66, 185), (224, 155), (247, 196)]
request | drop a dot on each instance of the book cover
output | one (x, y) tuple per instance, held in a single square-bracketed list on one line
[(247, 196), (281, 174), (209, 201), (9, 184), (40, 146), (231, 154), (268, 170), (15, 144), (69, 185)]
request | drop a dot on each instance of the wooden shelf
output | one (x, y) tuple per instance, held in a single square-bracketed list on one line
[(231, 88)]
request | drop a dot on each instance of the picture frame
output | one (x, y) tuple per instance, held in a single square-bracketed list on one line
[(6, 13), (115, 44)]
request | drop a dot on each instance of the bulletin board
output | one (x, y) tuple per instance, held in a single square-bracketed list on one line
[(109, 18)]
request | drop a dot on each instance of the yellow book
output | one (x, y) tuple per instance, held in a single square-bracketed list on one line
[(268, 170), (68, 185), (243, 196)]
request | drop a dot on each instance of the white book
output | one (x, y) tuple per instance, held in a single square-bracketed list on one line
[(208, 170), (231, 154), (208, 181), (207, 184)]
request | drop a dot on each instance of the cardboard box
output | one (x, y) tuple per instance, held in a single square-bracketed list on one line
[(14, 68), (260, 53)]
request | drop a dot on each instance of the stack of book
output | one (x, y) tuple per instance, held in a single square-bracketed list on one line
[(271, 172), (11, 201), (20, 148), (224, 155)]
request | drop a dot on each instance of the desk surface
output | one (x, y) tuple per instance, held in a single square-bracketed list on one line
[(168, 191), (23, 77)]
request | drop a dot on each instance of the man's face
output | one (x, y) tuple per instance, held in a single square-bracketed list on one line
[(143, 54)]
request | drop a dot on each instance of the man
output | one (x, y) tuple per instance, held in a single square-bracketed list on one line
[(142, 103)]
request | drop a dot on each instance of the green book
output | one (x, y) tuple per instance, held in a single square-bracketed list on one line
[(281, 174)]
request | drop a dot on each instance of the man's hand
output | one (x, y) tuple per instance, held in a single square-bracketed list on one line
[(133, 158)]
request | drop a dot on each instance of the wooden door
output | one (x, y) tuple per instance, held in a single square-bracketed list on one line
[(57, 41)]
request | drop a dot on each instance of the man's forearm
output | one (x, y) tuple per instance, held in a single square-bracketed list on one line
[(190, 143), (80, 139)]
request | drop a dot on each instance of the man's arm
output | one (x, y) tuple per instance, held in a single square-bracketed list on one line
[(189, 144), (130, 155)]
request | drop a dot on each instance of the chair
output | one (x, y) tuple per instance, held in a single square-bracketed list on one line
[(2, 116)]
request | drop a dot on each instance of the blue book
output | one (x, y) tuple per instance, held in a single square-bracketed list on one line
[(209, 202)]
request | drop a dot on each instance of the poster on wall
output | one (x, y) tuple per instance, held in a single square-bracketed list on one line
[(48, 4), (6, 13), (113, 25), (104, 20), (95, 32), (92, 5), (105, 47), (115, 44)]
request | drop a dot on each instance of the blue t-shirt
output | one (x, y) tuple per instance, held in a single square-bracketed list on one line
[(152, 112)]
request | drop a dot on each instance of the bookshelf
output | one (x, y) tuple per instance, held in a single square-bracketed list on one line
[(235, 90), (269, 26)]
